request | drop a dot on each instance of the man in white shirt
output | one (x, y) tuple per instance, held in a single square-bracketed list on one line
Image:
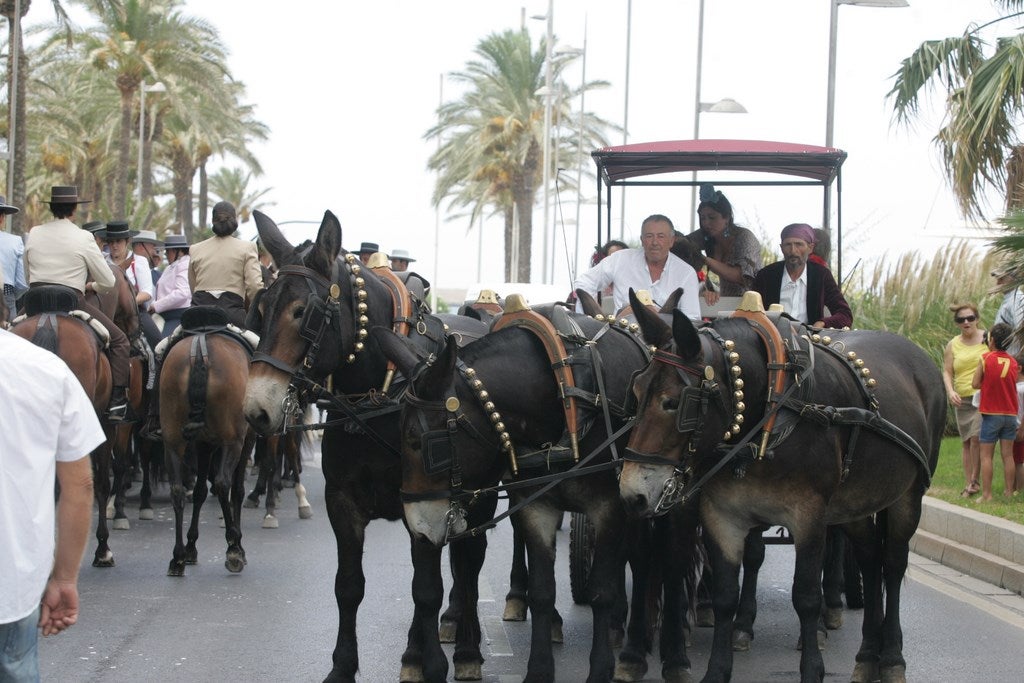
[(653, 268), (1011, 310)]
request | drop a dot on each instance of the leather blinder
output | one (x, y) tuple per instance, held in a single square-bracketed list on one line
[(438, 451)]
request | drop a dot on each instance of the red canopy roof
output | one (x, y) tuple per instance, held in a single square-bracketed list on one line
[(616, 164)]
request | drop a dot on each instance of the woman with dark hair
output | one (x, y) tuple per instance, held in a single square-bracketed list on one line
[(224, 271), (731, 252), (610, 247)]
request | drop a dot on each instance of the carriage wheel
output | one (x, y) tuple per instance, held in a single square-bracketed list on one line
[(581, 556)]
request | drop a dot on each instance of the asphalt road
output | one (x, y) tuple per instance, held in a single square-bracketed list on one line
[(276, 621)]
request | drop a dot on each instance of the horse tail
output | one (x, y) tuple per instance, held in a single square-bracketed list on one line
[(46, 334), (197, 381)]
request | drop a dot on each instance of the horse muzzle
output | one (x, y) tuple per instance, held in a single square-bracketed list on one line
[(435, 520), (650, 490)]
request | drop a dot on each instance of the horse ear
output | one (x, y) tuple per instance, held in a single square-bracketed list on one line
[(685, 336), (653, 328), (279, 248), (672, 301), (328, 245), (588, 303), (434, 381), (469, 312), (396, 349)]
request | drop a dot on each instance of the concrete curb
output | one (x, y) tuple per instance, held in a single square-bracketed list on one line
[(988, 548)]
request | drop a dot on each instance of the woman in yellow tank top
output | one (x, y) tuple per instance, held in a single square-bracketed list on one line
[(960, 360)]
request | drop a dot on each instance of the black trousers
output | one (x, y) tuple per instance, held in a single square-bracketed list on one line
[(231, 303)]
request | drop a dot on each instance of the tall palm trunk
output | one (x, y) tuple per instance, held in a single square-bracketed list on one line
[(19, 146), (128, 89)]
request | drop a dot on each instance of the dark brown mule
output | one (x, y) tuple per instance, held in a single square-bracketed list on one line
[(845, 449), (202, 389), (77, 344), (316, 318)]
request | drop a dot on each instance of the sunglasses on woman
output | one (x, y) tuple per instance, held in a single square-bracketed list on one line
[(965, 319)]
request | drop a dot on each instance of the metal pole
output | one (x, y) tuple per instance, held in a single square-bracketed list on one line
[(696, 110), (547, 135), (437, 209), (579, 155), (625, 124), (142, 133), (830, 106), (12, 101)]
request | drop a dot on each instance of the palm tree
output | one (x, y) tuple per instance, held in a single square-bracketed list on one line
[(490, 156), (137, 40), (984, 99), (232, 185)]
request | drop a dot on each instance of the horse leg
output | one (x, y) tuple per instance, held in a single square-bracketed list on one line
[(632, 664), (807, 598), (423, 659), (518, 579), (867, 546), (467, 558), (101, 491), (263, 472), (832, 577), (121, 462), (294, 456), (349, 525), (538, 523), (851, 577), (605, 581), (677, 543), (147, 462), (746, 613), (229, 485), (204, 457), (898, 523), (725, 544), (174, 454)]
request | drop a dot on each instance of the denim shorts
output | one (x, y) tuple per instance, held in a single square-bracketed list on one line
[(19, 653), (998, 428)]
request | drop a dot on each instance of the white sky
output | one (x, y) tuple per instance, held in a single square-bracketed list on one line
[(348, 90)]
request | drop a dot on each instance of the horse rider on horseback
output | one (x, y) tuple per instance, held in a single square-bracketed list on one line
[(223, 271), (59, 252)]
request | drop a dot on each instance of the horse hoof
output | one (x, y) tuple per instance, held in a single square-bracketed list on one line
[(446, 631), (146, 514), (234, 563), (176, 569), (630, 672), (833, 618), (865, 672), (676, 674), (741, 641), (557, 637), (191, 556), (410, 674), (515, 610), (894, 674), (705, 617), (105, 560), (269, 522), (468, 671), (121, 524), (306, 512), (251, 503)]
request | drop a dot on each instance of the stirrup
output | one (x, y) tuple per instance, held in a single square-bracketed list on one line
[(150, 429), (117, 412)]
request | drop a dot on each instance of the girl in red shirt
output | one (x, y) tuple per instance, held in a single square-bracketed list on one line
[(996, 377)]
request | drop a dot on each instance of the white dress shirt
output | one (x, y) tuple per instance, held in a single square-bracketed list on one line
[(627, 268), (793, 295)]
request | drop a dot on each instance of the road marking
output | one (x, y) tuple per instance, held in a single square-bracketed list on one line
[(491, 623), (987, 605)]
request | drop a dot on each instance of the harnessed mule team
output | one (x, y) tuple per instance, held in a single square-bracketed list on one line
[(771, 422)]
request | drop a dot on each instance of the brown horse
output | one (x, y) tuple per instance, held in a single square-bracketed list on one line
[(50, 327), (202, 388)]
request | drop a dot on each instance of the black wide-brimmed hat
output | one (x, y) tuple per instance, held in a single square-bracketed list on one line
[(368, 248), (116, 230), (94, 227), (66, 194), (5, 208), (176, 242)]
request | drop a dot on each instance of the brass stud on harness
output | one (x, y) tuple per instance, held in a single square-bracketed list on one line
[(737, 396), (495, 417), (362, 307), (362, 334), (740, 406), (735, 429), (361, 294), (826, 340), (729, 344), (476, 384), (727, 435), (634, 328), (864, 372), (816, 338), (483, 395), (736, 371), (500, 426), (356, 268), (738, 418), (738, 383), (734, 357), (623, 322), (872, 382), (351, 358), (852, 355), (470, 373), (451, 404), (489, 407), (599, 317), (360, 282), (859, 362), (359, 346)]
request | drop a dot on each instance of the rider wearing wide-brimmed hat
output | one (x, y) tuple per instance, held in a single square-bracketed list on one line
[(12, 253), (173, 294), (223, 270), (59, 252)]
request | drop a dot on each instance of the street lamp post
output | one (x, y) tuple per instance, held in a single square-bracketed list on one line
[(832, 34), (143, 89)]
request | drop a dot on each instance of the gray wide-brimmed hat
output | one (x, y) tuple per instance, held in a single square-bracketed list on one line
[(176, 242), (66, 194), (401, 255), (94, 227), (116, 230), (145, 237), (5, 208)]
